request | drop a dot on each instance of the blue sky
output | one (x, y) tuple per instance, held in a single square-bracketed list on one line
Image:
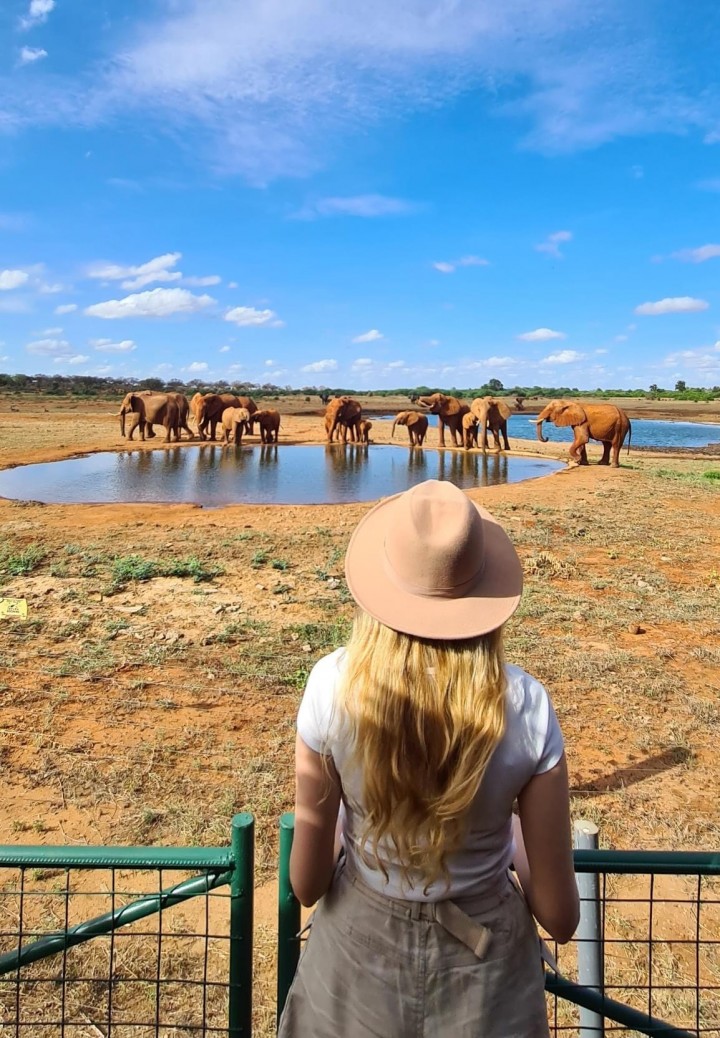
[(349, 192)]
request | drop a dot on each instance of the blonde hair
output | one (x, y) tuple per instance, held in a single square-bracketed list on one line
[(425, 717)]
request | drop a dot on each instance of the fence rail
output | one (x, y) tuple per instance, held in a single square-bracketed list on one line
[(660, 936), (140, 973)]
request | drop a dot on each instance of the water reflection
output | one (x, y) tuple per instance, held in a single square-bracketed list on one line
[(213, 474)]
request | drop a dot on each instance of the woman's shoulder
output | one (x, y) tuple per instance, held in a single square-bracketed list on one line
[(526, 695)]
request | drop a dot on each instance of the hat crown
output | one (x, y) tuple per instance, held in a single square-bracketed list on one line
[(435, 544)]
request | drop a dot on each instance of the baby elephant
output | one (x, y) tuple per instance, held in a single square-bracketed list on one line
[(470, 430), (269, 422), (234, 420), (363, 429)]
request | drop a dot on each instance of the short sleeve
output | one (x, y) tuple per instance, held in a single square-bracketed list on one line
[(315, 715), (553, 745)]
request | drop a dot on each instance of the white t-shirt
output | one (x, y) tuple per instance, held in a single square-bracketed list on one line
[(532, 743)]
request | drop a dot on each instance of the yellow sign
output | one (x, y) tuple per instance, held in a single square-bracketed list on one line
[(13, 609)]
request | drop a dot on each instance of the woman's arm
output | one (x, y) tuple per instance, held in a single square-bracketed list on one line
[(549, 880), (317, 802)]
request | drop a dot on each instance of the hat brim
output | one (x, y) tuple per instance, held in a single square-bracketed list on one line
[(483, 607)]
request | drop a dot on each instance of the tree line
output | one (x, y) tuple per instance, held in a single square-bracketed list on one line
[(99, 386)]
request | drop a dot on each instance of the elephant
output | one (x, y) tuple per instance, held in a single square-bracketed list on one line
[(151, 408), (208, 409), (470, 430), (183, 413), (417, 424), (449, 411), (604, 422), (492, 414), (363, 427), (341, 414), (235, 420), (269, 422)]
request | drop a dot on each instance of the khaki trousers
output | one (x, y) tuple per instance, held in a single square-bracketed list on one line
[(379, 967)]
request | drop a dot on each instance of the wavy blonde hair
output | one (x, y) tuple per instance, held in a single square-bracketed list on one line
[(425, 717)]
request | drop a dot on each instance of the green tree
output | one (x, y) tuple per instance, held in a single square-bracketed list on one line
[(680, 386)]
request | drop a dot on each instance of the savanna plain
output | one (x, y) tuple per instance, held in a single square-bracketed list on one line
[(151, 692)]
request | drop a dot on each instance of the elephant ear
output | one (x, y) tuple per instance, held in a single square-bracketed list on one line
[(571, 414), (504, 410)]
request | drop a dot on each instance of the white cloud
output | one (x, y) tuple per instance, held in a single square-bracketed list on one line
[(704, 361), (372, 336), (269, 363), (51, 289), (490, 362), (362, 362), (65, 308), (563, 357), (358, 205), (700, 255), (50, 347), (672, 305), (321, 365), (196, 368), (210, 279), (108, 346), (249, 317), (541, 335), (224, 349), (465, 261), (37, 13), (10, 279), (158, 302), (270, 88), (157, 269), (29, 55), (77, 358), (396, 364), (50, 332), (600, 352), (551, 245), (232, 284)]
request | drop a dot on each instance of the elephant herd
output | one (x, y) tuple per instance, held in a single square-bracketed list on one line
[(343, 418), (235, 414)]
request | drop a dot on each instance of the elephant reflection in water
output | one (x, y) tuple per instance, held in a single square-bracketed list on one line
[(466, 469), (346, 471), (417, 460), (268, 454), (351, 458), (172, 459)]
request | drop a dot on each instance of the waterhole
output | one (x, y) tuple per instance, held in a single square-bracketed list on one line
[(213, 475)]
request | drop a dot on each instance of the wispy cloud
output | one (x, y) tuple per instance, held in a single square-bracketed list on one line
[(158, 302), (449, 267), (29, 55), (319, 366), (705, 361), (249, 317), (108, 346), (367, 206), (372, 336), (699, 255), (138, 276), (272, 86), (672, 305), (551, 245), (541, 335), (65, 308), (563, 357), (37, 13)]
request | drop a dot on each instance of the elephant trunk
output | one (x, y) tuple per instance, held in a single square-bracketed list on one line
[(538, 427), (122, 422), (392, 434)]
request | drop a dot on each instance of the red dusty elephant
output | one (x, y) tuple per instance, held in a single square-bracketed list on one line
[(449, 411), (491, 414), (342, 414), (151, 409), (416, 423), (269, 422), (208, 408), (604, 422)]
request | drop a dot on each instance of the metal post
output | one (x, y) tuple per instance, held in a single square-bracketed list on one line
[(241, 926), (589, 931), (288, 916)]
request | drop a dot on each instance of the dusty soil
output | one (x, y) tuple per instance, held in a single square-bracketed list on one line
[(152, 690)]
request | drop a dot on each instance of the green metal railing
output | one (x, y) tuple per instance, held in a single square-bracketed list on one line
[(605, 863), (231, 866)]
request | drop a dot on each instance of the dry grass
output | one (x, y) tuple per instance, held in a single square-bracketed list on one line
[(150, 708)]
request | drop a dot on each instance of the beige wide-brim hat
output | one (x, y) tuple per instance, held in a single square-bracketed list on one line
[(433, 564)]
